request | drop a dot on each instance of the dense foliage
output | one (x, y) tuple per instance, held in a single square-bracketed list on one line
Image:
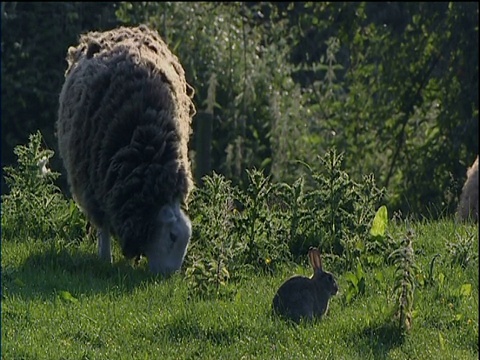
[(35, 207), (35, 39), (257, 228), (393, 87)]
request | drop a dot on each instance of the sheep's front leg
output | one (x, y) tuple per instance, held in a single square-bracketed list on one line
[(104, 250)]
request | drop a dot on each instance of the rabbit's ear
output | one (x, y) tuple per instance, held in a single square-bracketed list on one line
[(315, 259), (311, 258)]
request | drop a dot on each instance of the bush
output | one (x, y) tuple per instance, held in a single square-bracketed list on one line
[(35, 207), (237, 232)]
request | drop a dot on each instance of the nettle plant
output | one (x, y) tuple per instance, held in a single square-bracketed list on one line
[(374, 252), (235, 232), (462, 251), (35, 207), (263, 225), (340, 210), (238, 231), (383, 248), (211, 254), (404, 284)]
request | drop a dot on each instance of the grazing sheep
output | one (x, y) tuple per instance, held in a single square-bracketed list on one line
[(468, 207), (123, 129)]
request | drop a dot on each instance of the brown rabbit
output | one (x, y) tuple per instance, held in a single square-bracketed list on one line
[(303, 297)]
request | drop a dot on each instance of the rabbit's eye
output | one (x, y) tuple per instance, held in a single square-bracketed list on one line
[(173, 238)]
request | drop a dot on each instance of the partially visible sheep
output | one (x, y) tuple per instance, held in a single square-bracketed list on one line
[(123, 129), (468, 206)]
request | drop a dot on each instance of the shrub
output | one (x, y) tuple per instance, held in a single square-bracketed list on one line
[(35, 207)]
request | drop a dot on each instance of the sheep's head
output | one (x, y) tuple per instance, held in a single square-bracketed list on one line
[(172, 231)]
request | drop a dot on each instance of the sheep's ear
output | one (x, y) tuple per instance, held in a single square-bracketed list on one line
[(92, 49), (167, 214)]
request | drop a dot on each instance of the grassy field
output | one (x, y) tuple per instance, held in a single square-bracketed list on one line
[(60, 302)]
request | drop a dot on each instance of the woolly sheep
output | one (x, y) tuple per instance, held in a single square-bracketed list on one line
[(123, 127), (468, 206)]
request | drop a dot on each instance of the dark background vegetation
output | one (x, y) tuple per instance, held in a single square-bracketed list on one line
[(394, 86)]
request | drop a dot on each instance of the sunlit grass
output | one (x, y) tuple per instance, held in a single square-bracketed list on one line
[(60, 302)]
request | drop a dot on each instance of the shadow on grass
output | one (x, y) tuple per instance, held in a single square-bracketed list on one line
[(378, 340), (183, 328), (67, 267)]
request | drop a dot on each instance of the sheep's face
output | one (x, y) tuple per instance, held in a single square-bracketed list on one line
[(171, 237)]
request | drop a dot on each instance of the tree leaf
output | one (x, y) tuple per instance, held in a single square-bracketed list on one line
[(441, 340), (380, 222), (466, 290), (65, 295)]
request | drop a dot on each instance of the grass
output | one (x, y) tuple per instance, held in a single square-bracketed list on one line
[(60, 302)]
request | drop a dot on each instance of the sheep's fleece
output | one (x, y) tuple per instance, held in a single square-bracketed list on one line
[(468, 206), (123, 129)]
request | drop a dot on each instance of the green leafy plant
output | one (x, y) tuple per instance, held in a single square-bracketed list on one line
[(380, 243), (269, 223), (462, 250), (35, 207), (236, 232), (380, 222), (291, 206), (260, 225), (214, 249), (340, 209), (355, 283), (404, 285), (430, 278)]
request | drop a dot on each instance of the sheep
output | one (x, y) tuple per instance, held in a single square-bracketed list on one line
[(468, 205), (123, 127)]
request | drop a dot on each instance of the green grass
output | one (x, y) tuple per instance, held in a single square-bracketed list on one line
[(60, 302)]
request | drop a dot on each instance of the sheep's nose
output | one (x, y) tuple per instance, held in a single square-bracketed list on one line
[(164, 271)]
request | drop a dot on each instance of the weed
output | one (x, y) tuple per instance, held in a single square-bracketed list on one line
[(35, 207), (261, 227), (341, 210), (356, 283), (404, 286), (462, 250), (214, 246)]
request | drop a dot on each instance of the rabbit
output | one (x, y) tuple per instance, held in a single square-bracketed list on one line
[(303, 297)]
